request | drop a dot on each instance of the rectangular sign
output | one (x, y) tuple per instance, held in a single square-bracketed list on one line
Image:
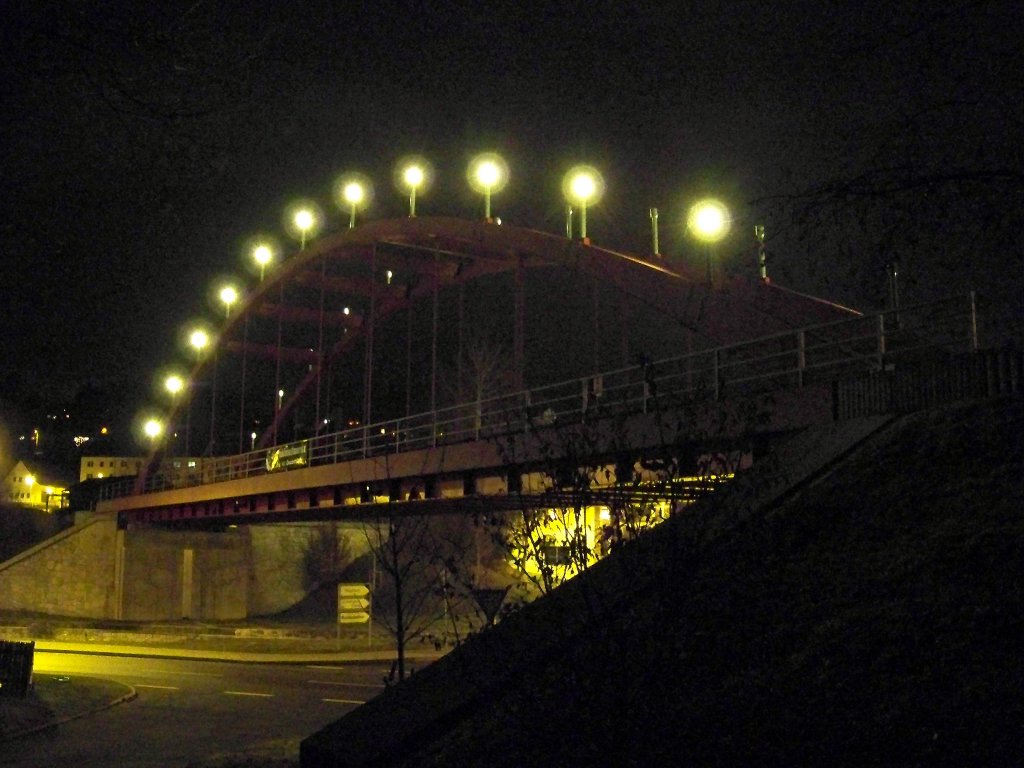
[(291, 455), (347, 604), (353, 617), (353, 590), (353, 603)]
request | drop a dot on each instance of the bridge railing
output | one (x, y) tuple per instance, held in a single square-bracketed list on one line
[(791, 359)]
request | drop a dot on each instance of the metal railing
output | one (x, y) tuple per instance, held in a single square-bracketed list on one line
[(791, 359)]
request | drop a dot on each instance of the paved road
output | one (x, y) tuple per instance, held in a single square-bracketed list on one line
[(189, 710)]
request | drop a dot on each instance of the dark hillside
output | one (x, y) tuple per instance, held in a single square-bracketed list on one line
[(872, 618)]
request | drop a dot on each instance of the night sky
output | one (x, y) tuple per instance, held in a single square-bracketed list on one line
[(144, 143)]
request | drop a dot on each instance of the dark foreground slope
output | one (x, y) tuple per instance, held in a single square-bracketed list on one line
[(872, 617)]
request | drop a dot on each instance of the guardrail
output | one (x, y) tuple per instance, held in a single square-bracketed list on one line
[(814, 354)]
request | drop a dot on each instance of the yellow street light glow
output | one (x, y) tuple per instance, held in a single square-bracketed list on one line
[(174, 384), (229, 295), (413, 176), (708, 220), (488, 173), (153, 428), (354, 193), (30, 480), (583, 185), (303, 220), (262, 255), (199, 339)]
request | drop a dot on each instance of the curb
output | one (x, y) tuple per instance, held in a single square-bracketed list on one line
[(237, 657), (131, 695)]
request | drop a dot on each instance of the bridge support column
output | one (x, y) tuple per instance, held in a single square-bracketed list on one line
[(119, 548), (187, 581)]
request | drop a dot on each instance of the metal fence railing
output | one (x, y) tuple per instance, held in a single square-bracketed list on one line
[(815, 354)]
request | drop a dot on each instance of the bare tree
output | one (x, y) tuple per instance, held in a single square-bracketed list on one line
[(421, 565), (326, 556)]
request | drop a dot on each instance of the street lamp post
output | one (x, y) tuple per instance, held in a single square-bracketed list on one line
[(488, 173), (152, 429), (413, 177), (262, 255), (304, 219), (708, 221), (228, 295), (198, 339), (354, 193), (583, 185), (174, 384)]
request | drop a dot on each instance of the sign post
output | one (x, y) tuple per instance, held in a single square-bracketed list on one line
[(354, 605)]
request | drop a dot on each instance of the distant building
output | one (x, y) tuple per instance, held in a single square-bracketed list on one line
[(32, 484), (100, 467)]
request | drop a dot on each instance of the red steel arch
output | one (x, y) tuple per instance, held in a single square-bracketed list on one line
[(343, 286)]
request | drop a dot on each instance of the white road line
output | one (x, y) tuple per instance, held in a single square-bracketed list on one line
[(175, 673), (344, 684), (249, 693), (338, 669), (343, 701), (161, 687)]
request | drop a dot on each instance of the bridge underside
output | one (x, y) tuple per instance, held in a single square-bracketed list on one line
[(505, 474)]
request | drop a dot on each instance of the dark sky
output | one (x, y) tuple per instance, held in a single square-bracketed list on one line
[(144, 143)]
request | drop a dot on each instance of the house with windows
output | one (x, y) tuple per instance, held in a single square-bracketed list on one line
[(33, 484), (100, 467)]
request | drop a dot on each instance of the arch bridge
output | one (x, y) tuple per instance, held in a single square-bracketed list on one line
[(405, 359)]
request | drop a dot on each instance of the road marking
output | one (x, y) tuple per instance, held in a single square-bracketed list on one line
[(249, 693), (176, 673), (161, 687), (342, 669), (343, 701), (344, 684)]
